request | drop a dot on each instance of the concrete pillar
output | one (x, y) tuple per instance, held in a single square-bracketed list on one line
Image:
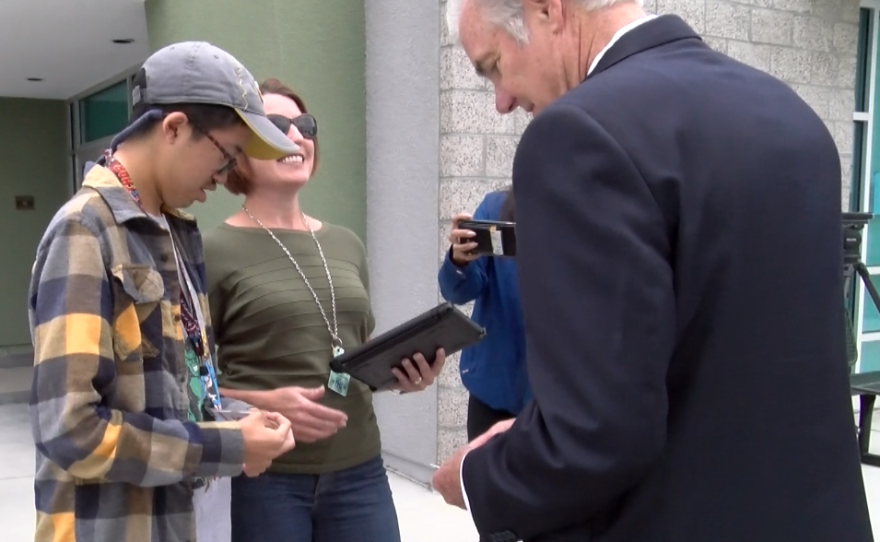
[(403, 168)]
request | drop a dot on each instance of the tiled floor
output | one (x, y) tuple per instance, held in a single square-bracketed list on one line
[(15, 384), (16, 474), (424, 517)]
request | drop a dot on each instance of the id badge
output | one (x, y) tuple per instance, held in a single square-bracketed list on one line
[(338, 382), (209, 379)]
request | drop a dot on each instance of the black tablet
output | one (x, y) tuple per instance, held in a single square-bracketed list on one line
[(444, 326)]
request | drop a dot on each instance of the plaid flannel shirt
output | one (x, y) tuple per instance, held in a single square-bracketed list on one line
[(116, 458)]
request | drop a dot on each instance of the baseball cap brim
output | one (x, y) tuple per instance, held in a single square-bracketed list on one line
[(267, 141)]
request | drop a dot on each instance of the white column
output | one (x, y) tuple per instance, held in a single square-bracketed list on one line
[(403, 171)]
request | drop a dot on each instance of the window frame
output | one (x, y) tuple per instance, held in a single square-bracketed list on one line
[(860, 187), (76, 147)]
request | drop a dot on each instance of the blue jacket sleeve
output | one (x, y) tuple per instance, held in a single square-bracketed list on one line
[(463, 284)]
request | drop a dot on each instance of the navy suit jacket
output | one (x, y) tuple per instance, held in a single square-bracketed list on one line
[(680, 260)]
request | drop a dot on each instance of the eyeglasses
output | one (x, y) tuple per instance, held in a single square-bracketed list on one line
[(230, 160), (305, 123)]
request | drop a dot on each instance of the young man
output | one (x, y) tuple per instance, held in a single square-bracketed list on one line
[(125, 412)]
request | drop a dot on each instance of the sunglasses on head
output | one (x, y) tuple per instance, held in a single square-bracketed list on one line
[(305, 123)]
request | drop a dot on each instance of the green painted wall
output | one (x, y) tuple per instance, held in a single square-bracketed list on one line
[(33, 161), (317, 48)]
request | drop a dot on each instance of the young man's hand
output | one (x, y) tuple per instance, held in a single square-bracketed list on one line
[(266, 435)]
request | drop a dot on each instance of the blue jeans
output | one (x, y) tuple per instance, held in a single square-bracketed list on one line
[(351, 505)]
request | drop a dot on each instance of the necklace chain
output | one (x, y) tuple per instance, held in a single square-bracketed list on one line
[(336, 341)]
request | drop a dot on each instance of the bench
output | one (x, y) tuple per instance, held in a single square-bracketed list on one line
[(867, 387)]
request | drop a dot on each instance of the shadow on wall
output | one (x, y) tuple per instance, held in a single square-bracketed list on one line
[(34, 158)]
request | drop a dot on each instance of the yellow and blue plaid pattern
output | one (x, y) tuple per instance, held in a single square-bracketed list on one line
[(116, 456)]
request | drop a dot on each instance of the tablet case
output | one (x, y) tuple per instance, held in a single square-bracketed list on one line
[(444, 326)]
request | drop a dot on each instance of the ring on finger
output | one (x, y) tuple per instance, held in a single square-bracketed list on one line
[(417, 381)]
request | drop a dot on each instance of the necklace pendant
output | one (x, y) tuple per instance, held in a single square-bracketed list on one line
[(338, 382)]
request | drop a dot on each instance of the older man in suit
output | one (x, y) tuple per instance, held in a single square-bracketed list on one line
[(680, 266)]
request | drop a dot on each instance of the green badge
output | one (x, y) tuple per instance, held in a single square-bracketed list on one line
[(338, 382)]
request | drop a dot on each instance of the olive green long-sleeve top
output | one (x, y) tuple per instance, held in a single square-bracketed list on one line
[(270, 333)]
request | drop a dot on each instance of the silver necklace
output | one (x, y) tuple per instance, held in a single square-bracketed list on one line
[(335, 341)]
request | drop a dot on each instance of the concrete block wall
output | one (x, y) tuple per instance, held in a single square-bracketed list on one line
[(476, 153), (810, 44)]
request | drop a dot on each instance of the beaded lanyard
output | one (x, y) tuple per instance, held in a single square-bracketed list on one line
[(191, 324)]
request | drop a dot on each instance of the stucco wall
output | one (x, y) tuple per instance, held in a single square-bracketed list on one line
[(402, 83), (317, 49)]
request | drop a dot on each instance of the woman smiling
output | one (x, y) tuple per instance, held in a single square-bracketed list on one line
[(289, 292)]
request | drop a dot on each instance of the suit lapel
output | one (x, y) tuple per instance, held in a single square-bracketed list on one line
[(660, 31)]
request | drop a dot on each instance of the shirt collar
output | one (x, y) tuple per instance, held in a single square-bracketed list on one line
[(119, 200), (619, 34)]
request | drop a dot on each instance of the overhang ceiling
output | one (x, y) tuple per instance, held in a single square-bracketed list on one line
[(68, 44)]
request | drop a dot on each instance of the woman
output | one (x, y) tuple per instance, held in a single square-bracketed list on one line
[(493, 371), (288, 292)]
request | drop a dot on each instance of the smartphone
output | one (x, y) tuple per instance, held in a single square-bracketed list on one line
[(493, 237)]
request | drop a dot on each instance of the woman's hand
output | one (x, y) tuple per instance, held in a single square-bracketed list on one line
[(461, 243), (309, 420), (419, 375)]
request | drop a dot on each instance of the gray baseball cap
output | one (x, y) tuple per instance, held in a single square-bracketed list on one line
[(200, 73)]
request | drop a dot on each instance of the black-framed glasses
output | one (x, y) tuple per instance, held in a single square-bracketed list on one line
[(230, 160), (305, 123)]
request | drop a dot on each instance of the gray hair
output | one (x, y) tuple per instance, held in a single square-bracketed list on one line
[(508, 14)]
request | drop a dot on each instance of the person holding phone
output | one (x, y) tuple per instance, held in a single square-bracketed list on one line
[(493, 371)]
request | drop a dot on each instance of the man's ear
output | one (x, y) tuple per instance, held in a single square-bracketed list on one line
[(549, 13), (171, 125)]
